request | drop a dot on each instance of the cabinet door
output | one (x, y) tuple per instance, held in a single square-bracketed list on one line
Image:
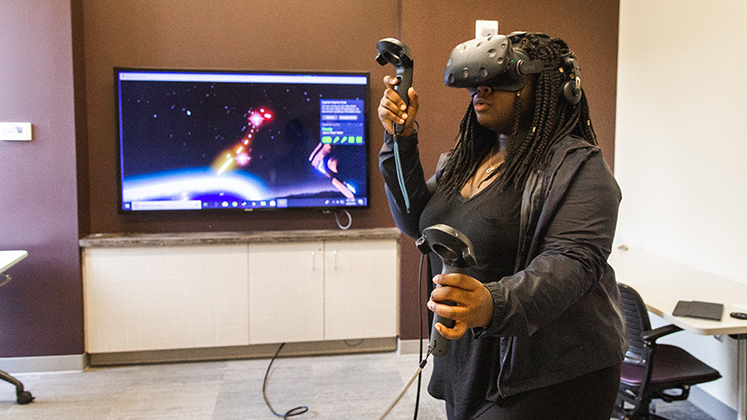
[(286, 292), (156, 298), (361, 280)]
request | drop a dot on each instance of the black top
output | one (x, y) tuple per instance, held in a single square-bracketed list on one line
[(467, 375)]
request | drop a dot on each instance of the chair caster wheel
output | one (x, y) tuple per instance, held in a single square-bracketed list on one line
[(24, 397)]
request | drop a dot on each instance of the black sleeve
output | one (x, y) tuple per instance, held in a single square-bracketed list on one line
[(418, 190)]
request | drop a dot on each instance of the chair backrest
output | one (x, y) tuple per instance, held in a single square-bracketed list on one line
[(636, 323)]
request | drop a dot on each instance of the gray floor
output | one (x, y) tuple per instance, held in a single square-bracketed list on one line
[(333, 387)]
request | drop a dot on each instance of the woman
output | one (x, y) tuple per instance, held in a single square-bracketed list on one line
[(539, 330)]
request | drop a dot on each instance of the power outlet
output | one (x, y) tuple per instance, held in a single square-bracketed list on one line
[(15, 131), (485, 28)]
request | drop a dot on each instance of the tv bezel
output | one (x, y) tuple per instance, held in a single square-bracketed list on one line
[(366, 112)]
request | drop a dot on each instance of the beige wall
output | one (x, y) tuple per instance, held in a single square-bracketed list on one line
[(680, 146)]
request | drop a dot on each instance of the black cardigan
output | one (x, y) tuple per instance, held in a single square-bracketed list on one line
[(560, 315)]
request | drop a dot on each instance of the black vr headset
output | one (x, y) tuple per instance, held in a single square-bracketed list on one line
[(493, 61)]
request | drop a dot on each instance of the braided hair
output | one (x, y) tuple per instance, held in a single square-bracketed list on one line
[(553, 119)]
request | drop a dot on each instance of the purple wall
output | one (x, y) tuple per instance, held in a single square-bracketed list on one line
[(41, 310)]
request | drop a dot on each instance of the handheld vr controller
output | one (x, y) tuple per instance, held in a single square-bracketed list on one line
[(395, 52), (457, 255), (392, 51)]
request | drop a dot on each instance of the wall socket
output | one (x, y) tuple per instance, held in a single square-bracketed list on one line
[(15, 131)]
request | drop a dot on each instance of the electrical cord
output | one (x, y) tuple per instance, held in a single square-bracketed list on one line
[(293, 411), (420, 326), (337, 219), (423, 360), (417, 375)]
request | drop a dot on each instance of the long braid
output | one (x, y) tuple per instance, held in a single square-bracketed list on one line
[(472, 145), (553, 119), (516, 148)]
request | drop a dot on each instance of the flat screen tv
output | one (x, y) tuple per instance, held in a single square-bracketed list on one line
[(226, 140)]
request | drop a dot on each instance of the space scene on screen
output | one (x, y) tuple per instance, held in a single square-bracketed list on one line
[(222, 142)]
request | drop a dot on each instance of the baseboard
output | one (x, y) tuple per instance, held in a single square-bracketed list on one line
[(711, 405), (410, 346), (256, 351), (66, 363)]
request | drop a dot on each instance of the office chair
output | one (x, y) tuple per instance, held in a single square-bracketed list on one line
[(652, 370), (22, 396)]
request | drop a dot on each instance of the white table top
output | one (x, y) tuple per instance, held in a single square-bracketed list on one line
[(663, 282), (10, 258)]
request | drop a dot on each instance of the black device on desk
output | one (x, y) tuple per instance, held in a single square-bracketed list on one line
[(697, 309)]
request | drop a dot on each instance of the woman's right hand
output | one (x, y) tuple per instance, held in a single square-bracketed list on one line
[(392, 108)]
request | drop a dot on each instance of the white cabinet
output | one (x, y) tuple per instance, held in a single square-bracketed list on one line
[(286, 292), (162, 296), (154, 298), (327, 290), (360, 298)]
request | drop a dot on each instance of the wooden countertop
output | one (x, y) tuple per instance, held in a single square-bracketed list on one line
[(130, 240)]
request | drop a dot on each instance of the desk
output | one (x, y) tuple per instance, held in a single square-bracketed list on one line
[(9, 259), (662, 282)]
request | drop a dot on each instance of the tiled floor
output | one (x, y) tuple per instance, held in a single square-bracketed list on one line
[(333, 387)]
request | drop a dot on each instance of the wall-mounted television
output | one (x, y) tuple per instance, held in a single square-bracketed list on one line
[(227, 140)]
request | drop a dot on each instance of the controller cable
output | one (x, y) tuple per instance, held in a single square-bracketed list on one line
[(423, 361), (293, 411), (398, 165)]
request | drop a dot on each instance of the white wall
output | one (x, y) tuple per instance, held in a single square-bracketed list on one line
[(681, 141)]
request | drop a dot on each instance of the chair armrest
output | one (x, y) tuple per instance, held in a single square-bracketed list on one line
[(652, 335)]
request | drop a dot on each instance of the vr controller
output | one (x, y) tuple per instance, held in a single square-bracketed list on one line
[(392, 51), (494, 61), (457, 255)]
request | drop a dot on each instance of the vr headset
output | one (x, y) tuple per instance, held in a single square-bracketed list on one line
[(494, 61)]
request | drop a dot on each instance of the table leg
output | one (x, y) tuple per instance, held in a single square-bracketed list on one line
[(742, 378)]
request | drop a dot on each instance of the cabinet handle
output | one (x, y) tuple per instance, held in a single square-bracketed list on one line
[(313, 260), (335, 259)]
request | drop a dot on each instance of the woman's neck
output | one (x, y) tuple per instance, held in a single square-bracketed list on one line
[(488, 170)]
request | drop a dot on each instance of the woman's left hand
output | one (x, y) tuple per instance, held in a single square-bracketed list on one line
[(474, 304)]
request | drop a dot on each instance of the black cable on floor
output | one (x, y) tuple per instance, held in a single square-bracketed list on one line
[(420, 322), (293, 411)]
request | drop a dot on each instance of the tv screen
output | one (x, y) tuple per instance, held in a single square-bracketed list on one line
[(196, 140)]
